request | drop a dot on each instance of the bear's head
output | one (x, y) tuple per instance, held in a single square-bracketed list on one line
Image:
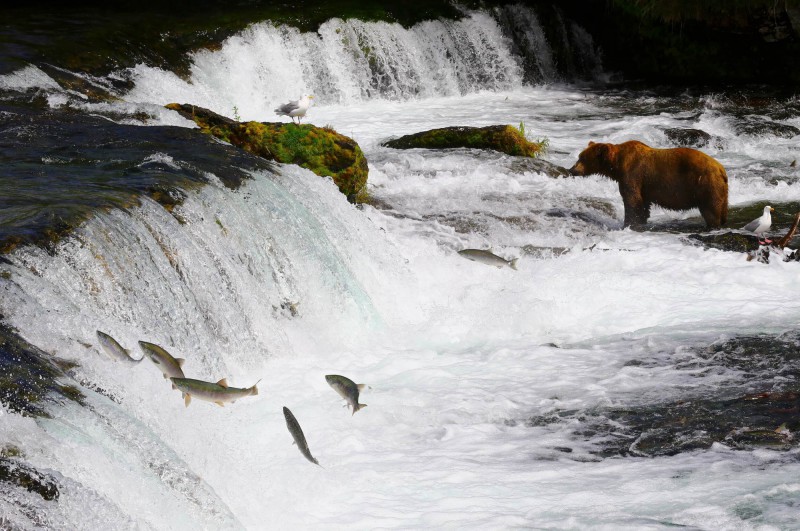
[(597, 158)]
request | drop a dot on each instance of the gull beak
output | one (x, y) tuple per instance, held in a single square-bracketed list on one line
[(771, 209)]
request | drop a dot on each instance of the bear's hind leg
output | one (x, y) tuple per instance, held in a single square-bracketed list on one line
[(714, 217)]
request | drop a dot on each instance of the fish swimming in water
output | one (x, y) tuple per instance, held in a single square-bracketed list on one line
[(171, 367), (115, 350), (488, 258), (347, 389), (297, 434), (218, 393)]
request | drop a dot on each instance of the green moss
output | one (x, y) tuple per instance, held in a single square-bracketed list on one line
[(319, 149), (504, 138)]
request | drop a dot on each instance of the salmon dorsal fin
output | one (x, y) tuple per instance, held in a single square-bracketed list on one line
[(180, 361), (223, 383)]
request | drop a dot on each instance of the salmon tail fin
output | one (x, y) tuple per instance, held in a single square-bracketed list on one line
[(254, 389), (513, 264), (361, 387)]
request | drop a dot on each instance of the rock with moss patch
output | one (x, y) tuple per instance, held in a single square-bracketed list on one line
[(736, 242), (504, 138), (319, 149)]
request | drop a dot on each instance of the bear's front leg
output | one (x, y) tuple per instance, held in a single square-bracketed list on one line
[(636, 209)]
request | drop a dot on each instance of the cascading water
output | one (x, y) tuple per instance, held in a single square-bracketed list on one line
[(543, 397), (347, 61)]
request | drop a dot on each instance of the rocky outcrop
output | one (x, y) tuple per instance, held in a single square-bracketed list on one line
[(319, 149), (736, 242), (694, 138), (504, 138)]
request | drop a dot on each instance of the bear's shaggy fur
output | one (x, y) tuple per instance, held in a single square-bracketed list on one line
[(677, 179)]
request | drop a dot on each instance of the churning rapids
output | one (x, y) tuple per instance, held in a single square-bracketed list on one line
[(533, 398)]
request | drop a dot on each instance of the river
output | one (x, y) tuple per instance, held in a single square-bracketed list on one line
[(601, 385)]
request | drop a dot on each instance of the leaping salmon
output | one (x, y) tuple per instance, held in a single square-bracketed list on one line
[(219, 393), (297, 435)]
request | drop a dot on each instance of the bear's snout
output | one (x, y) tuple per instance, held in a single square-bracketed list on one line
[(578, 169)]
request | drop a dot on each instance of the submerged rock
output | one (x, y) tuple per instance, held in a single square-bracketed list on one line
[(319, 149), (736, 242), (17, 473), (687, 137), (539, 165), (731, 414), (29, 376), (754, 127), (504, 138)]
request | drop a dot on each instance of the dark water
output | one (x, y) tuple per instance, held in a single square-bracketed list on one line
[(757, 408), (61, 165)]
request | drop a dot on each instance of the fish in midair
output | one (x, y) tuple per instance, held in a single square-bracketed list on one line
[(488, 258), (297, 435), (761, 224), (170, 367), (295, 109), (115, 350), (219, 393), (347, 389)]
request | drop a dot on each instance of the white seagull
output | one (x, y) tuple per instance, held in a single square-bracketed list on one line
[(762, 224), (295, 108)]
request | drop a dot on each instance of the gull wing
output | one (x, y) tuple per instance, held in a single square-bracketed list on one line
[(753, 225), (286, 108)]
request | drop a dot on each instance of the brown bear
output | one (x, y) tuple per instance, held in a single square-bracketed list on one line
[(677, 179)]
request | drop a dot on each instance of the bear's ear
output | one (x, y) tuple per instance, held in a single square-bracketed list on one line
[(591, 143), (603, 151)]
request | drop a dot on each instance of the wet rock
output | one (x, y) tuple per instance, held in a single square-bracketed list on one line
[(70, 81), (503, 138), (731, 414), (539, 165), (753, 127), (29, 377), (319, 149), (736, 242), (18, 473), (687, 137)]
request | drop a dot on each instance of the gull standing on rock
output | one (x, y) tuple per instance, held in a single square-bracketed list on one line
[(295, 108), (761, 225)]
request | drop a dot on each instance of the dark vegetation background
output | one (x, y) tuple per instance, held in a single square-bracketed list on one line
[(654, 41)]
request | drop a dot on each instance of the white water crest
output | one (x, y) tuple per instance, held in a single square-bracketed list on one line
[(347, 61), (284, 281)]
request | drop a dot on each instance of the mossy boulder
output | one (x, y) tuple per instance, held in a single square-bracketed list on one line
[(319, 149), (504, 138)]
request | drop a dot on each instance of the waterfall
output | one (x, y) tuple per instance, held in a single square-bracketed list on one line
[(347, 61), (229, 280), (201, 279)]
